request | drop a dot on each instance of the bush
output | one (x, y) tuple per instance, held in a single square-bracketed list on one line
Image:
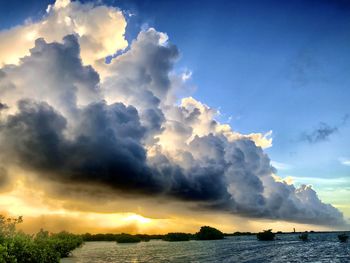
[(304, 237), (209, 233), (144, 237), (18, 247), (177, 237), (240, 234), (343, 237), (266, 235), (126, 238)]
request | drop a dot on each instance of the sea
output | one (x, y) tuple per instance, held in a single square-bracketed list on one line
[(321, 247)]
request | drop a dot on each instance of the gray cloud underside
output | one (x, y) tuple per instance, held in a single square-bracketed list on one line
[(64, 130)]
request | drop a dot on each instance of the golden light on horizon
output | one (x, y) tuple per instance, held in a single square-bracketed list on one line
[(137, 218), (55, 214)]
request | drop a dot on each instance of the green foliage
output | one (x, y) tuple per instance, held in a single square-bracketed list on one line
[(177, 237), (209, 233), (266, 235), (18, 247), (8, 226), (126, 238)]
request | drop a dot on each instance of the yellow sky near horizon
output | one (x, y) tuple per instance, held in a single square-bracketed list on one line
[(54, 214)]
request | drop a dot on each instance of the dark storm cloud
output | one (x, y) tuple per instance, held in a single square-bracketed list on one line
[(106, 149), (322, 133), (199, 183)]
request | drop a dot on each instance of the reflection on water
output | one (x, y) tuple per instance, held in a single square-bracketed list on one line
[(320, 248)]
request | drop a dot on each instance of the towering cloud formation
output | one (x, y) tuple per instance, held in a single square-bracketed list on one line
[(100, 31), (70, 118)]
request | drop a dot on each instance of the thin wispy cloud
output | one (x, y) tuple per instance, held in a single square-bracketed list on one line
[(280, 165), (320, 134), (345, 161), (324, 131)]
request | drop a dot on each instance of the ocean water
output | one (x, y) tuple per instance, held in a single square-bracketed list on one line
[(320, 248)]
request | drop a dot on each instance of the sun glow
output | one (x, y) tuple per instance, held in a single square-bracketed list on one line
[(34, 204), (137, 218), (31, 35)]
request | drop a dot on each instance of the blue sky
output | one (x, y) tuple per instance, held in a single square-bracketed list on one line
[(269, 65), (266, 65)]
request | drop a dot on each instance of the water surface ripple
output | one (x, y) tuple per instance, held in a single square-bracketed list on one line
[(320, 248)]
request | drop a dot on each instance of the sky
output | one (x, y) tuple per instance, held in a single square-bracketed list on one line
[(230, 108)]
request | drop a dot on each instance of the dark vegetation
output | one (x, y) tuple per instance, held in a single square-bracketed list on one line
[(127, 238), (266, 235), (304, 237), (177, 237), (343, 238), (209, 233), (205, 233), (239, 234), (43, 247)]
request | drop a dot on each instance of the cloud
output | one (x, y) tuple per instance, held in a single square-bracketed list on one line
[(344, 161), (3, 106), (141, 77), (322, 133), (100, 151), (52, 73), (4, 179), (126, 133), (100, 31), (280, 166)]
